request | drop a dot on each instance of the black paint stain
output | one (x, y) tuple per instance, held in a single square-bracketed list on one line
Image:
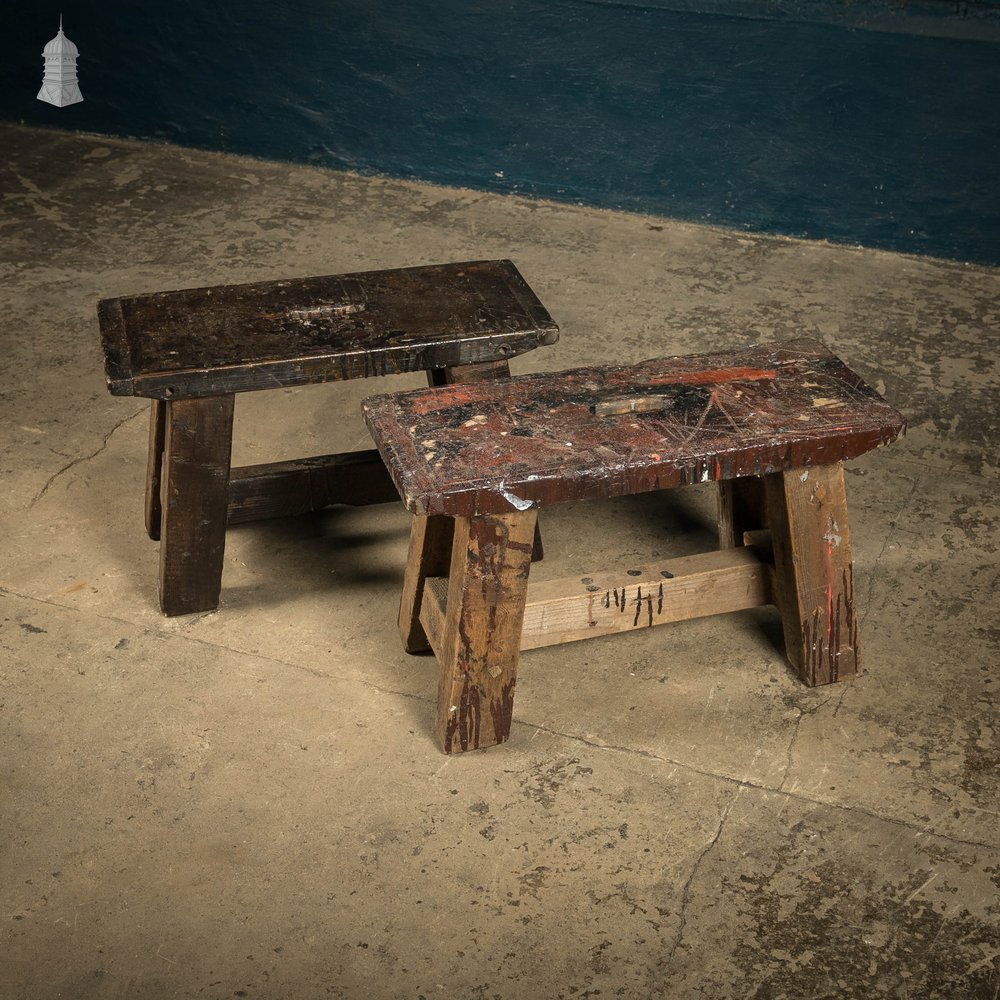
[(449, 731), (849, 619), (825, 642), (33, 629), (502, 711), (833, 654), (466, 722), (659, 601), (813, 646), (469, 715)]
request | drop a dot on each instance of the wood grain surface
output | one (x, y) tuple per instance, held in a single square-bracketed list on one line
[(237, 338), (552, 437)]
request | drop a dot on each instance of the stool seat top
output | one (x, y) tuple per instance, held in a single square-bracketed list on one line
[(505, 445), (237, 338)]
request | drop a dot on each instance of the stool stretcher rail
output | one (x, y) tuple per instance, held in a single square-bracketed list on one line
[(559, 611)]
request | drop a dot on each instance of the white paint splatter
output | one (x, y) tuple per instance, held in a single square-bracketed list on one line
[(515, 501)]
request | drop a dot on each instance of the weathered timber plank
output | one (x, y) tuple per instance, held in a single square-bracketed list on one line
[(814, 572), (282, 489), (236, 338), (195, 496), (576, 608), (536, 439), (479, 649), (709, 583)]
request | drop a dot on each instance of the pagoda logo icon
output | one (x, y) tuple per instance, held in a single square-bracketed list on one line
[(59, 85)]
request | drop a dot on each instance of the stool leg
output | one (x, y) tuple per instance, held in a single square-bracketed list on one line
[(195, 497), (814, 574), (154, 467), (429, 555), (481, 645), (741, 507)]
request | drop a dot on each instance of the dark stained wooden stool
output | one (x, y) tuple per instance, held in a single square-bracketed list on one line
[(190, 351), (771, 425)]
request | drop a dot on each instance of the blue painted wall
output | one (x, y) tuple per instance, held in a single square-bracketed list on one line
[(864, 122)]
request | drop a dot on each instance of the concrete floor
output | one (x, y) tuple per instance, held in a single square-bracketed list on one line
[(250, 803)]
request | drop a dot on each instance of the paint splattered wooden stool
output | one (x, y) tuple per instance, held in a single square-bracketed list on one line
[(191, 351), (771, 425)]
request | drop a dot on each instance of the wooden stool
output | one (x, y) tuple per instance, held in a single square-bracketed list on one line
[(191, 351), (770, 424)]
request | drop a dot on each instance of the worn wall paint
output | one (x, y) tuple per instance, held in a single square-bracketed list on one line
[(790, 120)]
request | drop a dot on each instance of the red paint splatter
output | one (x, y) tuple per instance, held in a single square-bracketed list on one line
[(442, 398), (716, 375)]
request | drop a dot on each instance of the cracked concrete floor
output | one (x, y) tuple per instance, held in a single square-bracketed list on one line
[(249, 803)]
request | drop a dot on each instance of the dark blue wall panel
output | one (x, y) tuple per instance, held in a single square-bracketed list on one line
[(800, 119)]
